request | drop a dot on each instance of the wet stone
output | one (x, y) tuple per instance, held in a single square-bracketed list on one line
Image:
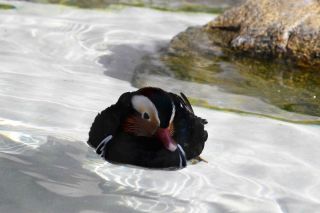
[(273, 28)]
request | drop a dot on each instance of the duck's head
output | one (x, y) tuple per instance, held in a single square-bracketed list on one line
[(152, 116)]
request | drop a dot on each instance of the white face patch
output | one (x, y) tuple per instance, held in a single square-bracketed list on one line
[(143, 105), (173, 113)]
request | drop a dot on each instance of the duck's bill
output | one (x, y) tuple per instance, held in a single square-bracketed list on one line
[(165, 137)]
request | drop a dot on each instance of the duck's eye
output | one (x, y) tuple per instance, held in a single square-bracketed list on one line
[(145, 116)]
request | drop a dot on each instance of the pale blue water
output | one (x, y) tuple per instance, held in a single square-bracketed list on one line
[(53, 62)]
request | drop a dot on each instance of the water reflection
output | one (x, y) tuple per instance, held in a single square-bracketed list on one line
[(159, 191), (57, 175), (12, 142)]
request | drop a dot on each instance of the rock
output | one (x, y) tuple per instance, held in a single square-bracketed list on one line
[(277, 34), (287, 29)]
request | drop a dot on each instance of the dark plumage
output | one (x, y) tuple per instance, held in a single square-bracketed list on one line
[(149, 128)]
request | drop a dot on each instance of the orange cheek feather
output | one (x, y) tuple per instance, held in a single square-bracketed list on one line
[(140, 127)]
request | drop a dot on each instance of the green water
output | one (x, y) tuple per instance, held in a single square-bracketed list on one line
[(289, 88), (275, 82)]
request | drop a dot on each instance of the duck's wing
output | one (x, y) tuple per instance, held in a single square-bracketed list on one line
[(108, 122), (186, 102), (183, 102), (189, 129)]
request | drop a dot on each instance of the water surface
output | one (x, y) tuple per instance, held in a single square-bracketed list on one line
[(59, 66)]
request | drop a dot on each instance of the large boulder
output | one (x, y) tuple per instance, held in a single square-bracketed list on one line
[(287, 29), (281, 33)]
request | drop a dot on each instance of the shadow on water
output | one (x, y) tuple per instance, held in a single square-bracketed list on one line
[(218, 81), (122, 61)]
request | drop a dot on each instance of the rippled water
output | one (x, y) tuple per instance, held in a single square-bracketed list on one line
[(167, 5), (59, 66)]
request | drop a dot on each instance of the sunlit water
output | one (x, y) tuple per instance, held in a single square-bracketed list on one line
[(53, 62)]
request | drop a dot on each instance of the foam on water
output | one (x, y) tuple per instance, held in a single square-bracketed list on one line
[(52, 84)]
